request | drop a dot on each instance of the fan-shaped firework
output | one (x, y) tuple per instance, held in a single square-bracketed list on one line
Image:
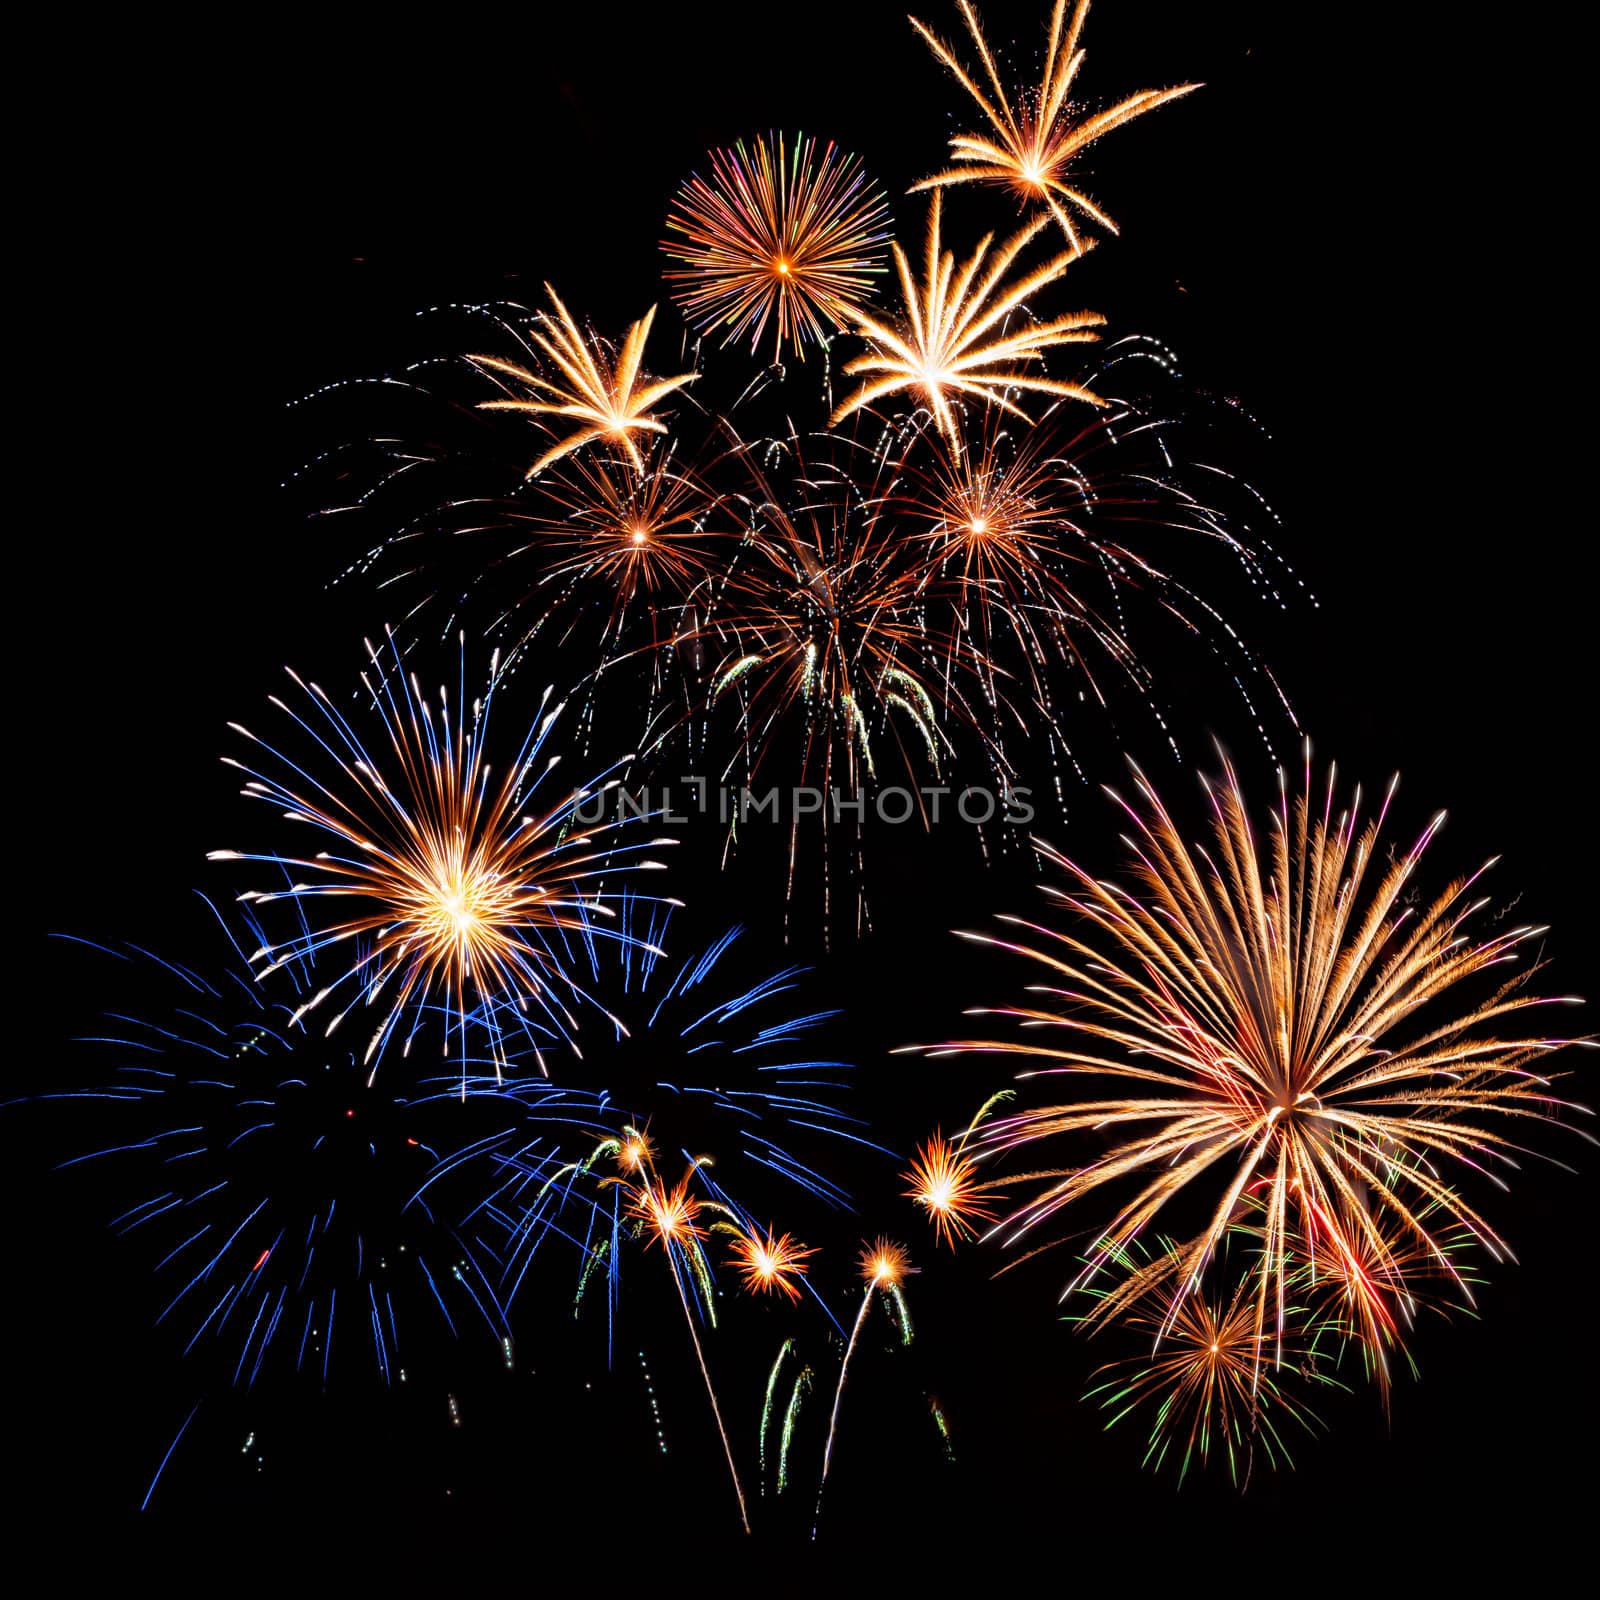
[(776, 234), (1283, 1028), (277, 1184), (1035, 140), (466, 882), (954, 339), (609, 400)]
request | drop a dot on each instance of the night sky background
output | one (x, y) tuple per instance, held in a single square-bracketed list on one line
[(1358, 229)]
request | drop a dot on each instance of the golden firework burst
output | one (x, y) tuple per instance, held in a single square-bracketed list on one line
[(1035, 141), (1287, 1032), (884, 1263), (611, 401), (462, 881), (954, 341)]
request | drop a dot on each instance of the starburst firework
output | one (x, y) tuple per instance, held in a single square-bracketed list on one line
[(776, 234), (944, 1183), (769, 1262)]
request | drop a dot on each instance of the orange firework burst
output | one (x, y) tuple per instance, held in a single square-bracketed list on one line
[(884, 1263), (776, 235), (635, 1150), (944, 1183), (670, 1214), (988, 514), (610, 401), (948, 344), (1035, 141), (465, 882), (1286, 1031), (645, 539), (770, 1262)]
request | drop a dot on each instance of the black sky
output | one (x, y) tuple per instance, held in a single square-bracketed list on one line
[(1363, 229)]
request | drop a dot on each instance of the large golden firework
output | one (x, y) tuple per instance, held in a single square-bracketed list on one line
[(955, 339), (462, 880), (776, 235), (1287, 1034), (1035, 140), (611, 401)]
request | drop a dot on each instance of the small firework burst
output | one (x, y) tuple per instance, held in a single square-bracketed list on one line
[(944, 1183), (770, 1262), (883, 1263), (1212, 1385)]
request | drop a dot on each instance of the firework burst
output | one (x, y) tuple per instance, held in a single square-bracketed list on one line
[(279, 1186), (770, 1263), (1290, 1035), (670, 1216), (954, 339), (944, 1183), (462, 885), (883, 1264), (609, 400), (816, 624), (1035, 141), (779, 235), (1205, 1381)]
